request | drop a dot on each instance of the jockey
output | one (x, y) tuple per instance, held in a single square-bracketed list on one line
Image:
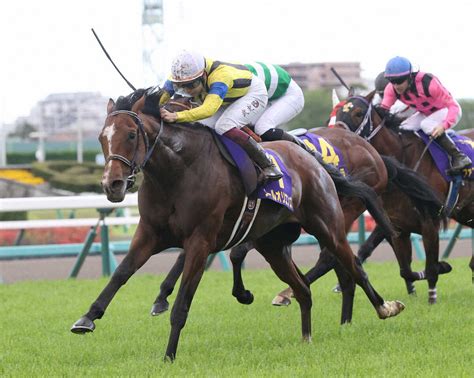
[(398, 108), (436, 109), (285, 101), (231, 97)]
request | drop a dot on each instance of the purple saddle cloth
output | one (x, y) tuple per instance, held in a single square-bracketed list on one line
[(440, 156), (331, 154), (277, 191)]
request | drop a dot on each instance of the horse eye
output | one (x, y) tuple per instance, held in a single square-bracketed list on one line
[(131, 135)]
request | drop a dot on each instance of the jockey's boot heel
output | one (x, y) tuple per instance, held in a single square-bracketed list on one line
[(459, 160)]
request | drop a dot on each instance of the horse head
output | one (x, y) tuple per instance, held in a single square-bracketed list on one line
[(358, 115), (125, 144)]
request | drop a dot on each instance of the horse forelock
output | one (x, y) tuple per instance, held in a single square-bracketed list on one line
[(126, 102)]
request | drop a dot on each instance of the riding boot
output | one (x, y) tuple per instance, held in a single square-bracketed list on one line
[(458, 159), (293, 138), (260, 158)]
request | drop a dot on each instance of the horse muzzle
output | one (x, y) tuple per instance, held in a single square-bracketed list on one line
[(115, 189)]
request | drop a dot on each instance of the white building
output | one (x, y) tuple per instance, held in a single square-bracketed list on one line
[(67, 112)]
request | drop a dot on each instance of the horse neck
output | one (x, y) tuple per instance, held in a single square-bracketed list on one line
[(178, 148)]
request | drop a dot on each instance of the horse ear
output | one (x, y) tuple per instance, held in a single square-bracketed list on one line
[(370, 96), (110, 106), (351, 92), (335, 98)]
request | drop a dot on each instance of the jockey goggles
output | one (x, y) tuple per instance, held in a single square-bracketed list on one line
[(397, 80), (189, 85)]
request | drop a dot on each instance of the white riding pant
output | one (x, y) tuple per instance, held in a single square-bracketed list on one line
[(281, 110), (242, 112), (427, 123)]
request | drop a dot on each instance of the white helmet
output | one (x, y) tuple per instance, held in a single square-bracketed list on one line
[(187, 66)]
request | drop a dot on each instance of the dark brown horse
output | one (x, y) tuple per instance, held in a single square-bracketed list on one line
[(191, 197), (362, 161), (407, 148)]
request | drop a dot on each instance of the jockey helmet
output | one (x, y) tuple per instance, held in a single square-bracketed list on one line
[(187, 66), (398, 67), (380, 83)]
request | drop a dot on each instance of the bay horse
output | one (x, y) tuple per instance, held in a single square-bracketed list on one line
[(407, 148), (191, 197), (381, 173)]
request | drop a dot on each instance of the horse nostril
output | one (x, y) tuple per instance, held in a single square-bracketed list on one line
[(117, 185)]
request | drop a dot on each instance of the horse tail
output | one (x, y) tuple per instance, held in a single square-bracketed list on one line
[(346, 187), (417, 189)]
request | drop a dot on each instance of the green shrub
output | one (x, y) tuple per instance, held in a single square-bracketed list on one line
[(69, 175)]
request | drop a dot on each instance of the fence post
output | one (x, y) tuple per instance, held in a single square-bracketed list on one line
[(85, 250), (452, 241)]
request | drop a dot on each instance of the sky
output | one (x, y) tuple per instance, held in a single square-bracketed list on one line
[(47, 45)]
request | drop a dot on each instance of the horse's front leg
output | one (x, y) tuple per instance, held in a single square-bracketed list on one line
[(167, 286), (237, 256), (197, 249), (144, 244)]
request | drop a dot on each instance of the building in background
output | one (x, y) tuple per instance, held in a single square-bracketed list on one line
[(66, 113), (310, 76)]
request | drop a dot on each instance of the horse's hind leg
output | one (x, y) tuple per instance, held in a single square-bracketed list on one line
[(237, 256), (375, 238), (279, 258), (167, 286), (325, 263), (142, 247)]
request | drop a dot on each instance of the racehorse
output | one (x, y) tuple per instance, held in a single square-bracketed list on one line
[(191, 197), (363, 162), (407, 148)]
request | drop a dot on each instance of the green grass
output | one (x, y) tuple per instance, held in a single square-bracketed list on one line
[(224, 338)]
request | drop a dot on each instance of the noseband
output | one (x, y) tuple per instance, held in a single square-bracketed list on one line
[(366, 128), (134, 166)]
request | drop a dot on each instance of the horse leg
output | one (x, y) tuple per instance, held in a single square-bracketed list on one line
[(433, 266), (142, 247), (279, 258), (167, 286), (402, 248), (325, 263), (337, 243), (237, 256), (197, 249), (375, 238), (347, 286)]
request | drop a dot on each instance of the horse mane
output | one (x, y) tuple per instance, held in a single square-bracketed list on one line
[(126, 102)]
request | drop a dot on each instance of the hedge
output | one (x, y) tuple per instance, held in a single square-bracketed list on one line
[(29, 157)]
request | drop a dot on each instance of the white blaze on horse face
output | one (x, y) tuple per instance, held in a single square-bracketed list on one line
[(109, 132)]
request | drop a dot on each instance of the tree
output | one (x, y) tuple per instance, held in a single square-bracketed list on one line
[(467, 120), (24, 129), (318, 106)]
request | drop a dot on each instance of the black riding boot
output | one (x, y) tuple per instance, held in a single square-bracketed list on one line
[(259, 157), (279, 134), (293, 138), (458, 159)]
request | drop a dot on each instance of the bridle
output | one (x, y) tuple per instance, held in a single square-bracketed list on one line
[(366, 128), (132, 164)]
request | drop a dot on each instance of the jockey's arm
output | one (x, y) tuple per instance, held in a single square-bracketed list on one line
[(389, 97), (209, 107), (167, 93), (442, 95)]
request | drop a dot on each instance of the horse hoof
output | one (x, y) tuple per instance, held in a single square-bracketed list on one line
[(337, 289), (412, 293), (159, 308), (281, 300), (432, 301), (444, 267), (83, 325), (390, 309), (246, 298)]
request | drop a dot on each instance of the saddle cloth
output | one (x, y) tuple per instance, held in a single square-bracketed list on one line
[(277, 191), (440, 156), (331, 154)]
